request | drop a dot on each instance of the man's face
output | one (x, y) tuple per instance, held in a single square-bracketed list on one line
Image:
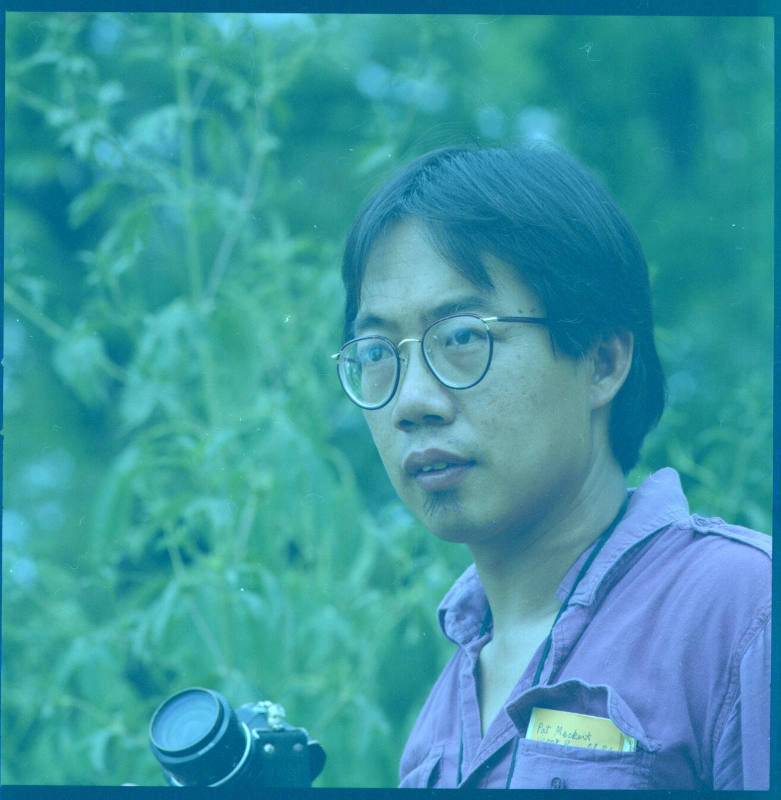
[(509, 454)]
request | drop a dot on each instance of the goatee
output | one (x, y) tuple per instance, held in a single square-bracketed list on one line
[(445, 500)]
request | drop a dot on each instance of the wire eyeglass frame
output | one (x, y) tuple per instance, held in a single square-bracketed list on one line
[(400, 359)]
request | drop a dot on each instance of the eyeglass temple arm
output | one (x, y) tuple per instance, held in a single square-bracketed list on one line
[(536, 320)]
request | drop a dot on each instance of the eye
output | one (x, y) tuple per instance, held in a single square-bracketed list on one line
[(373, 351), (463, 336)]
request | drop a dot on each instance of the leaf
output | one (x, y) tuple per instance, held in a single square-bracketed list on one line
[(84, 205), (165, 367), (79, 360), (98, 745), (112, 503), (156, 132)]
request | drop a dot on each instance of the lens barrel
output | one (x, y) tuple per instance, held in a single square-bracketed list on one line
[(197, 738)]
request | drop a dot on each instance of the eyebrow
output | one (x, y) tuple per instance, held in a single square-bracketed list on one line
[(470, 303)]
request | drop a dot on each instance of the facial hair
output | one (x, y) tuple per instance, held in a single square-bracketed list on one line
[(438, 502)]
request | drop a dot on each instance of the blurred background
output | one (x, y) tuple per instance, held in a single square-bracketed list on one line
[(188, 498)]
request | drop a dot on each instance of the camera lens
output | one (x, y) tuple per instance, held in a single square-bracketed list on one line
[(185, 720), (197, 738)]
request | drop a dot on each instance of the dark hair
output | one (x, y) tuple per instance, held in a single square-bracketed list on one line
[(544, 214)]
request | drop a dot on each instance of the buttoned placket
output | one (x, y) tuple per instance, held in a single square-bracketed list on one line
[(475, 750), (470, 725)]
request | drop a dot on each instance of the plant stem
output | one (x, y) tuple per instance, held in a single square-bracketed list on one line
[(192, 257), (55, 331)]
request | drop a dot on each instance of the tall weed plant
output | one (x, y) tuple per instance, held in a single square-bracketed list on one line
[(225, 543)]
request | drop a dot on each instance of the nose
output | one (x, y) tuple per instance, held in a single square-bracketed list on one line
[(420, 398)]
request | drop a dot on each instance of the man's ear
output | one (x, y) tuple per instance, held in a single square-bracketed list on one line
[(611, 358)]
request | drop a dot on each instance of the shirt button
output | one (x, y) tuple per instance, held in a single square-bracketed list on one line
[(557, 783)]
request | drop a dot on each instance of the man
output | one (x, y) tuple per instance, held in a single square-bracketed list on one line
[(500, 339)]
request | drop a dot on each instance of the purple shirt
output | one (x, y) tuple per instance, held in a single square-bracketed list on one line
[(667, 635)]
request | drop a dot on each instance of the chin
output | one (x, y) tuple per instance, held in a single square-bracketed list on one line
[(448, 534), (437, 505), (443, 514)]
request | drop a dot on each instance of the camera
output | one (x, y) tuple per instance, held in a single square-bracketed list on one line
[(199, 740)]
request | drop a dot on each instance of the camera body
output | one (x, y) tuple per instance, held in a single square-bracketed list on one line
[(199, 740)]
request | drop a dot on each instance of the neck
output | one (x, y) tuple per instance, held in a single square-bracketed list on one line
[(521, 572)]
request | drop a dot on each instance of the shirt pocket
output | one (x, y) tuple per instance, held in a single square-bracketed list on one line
[(426, 774), (544, 765)]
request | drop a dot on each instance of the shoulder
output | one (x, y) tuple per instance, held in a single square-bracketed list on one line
[(716, 550), (700, 578), (734, 564), (715, 527), (712, 551), (688, 545), (716, 577)]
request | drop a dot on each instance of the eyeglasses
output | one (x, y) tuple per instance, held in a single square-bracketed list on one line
[(457, 349)]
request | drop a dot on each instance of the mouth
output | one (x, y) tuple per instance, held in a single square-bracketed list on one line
[(435, 470)]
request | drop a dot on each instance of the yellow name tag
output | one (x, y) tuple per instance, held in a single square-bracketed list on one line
[(579, 730)]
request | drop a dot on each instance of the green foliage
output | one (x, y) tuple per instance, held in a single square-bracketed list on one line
[(189, 499)]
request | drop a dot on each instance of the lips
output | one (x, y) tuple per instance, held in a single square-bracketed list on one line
[(435, 469)]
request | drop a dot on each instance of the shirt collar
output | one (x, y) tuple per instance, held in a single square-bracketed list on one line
[(463, 609)]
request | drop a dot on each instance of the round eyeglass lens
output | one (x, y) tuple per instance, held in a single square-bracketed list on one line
[(458, 350), (368, 369)]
